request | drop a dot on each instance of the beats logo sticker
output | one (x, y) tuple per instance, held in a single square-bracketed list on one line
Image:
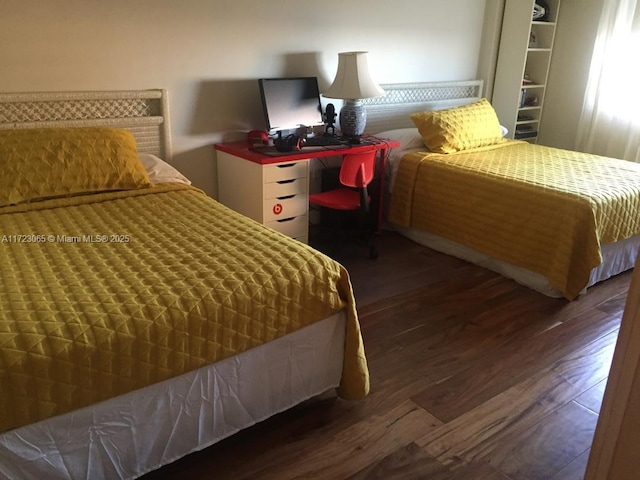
[(277, 209)]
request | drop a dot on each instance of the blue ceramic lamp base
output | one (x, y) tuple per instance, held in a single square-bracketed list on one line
[(353, 118)]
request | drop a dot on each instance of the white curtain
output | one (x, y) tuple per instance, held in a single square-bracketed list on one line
[(610, 120)]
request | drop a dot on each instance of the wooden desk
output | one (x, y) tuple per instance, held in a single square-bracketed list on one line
[(273, 187)]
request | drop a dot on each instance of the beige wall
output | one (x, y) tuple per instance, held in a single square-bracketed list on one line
[(575, 37), (209, 53), (492, 27)]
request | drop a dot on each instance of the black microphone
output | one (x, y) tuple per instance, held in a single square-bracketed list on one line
[(330, 113), (330, 118)]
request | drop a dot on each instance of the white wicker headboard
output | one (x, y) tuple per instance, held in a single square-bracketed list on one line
[(144, 113), (402, 99)]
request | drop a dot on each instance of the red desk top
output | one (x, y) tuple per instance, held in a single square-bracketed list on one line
[(271, 155)]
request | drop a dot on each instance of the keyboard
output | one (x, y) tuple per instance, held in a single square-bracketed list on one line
[(323, 141)]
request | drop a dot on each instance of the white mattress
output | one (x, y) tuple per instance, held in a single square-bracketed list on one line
[(135, 433)]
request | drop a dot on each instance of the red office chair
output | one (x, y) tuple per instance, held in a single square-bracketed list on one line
[(356, 173)]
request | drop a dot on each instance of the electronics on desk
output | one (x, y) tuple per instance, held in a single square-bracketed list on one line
[(289, 143), (294, 142), (324, 141), (329, 119), (290, 103), (291, 108), (257, 138)]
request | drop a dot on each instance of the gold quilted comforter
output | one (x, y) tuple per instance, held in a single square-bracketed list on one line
[(103, 294), (540, 208)]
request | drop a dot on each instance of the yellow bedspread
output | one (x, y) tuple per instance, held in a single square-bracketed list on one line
[(540, 208), (103, 294)]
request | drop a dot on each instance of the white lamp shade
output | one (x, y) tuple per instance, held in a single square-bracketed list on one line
[(353, 80)]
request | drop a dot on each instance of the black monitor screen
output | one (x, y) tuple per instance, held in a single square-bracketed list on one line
[(290, 103)]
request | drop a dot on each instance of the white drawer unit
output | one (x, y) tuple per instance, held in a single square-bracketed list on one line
[(282, 172), (281, 208), (274, 194), (284, 188), (295, 227)]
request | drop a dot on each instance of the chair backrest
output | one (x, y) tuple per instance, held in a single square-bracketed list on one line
[(357, 168)]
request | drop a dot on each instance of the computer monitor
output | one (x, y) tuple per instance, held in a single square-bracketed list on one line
[(290, 103)]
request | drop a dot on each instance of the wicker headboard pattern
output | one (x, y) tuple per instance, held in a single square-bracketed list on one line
[(144, 113), (402, 99)]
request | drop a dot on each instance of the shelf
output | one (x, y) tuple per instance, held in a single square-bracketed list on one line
[(525, 136), (530, 107), (525, 51)]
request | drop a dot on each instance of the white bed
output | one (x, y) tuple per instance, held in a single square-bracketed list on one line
[(388, 117), (134, 433), (130, 435)]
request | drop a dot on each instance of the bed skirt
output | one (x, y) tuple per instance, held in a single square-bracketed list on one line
[(134, 433), (617, 257)]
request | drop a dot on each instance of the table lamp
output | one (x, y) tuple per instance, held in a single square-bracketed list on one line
[(353, 82)]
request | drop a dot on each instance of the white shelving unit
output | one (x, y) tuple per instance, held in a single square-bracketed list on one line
[(522, 69)]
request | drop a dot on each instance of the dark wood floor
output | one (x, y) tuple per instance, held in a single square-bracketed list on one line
[(473, 377)]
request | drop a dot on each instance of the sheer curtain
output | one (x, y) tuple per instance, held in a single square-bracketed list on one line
[(610, 120)]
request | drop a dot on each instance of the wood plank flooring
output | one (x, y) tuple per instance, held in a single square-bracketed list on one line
[(473, 377)]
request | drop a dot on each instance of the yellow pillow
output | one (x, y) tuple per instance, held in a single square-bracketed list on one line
[(459, 128), (52, 162)]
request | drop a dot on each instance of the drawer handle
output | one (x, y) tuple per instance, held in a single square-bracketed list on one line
[(286, 197), (286, 165), (286, 220), (283, 182)]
